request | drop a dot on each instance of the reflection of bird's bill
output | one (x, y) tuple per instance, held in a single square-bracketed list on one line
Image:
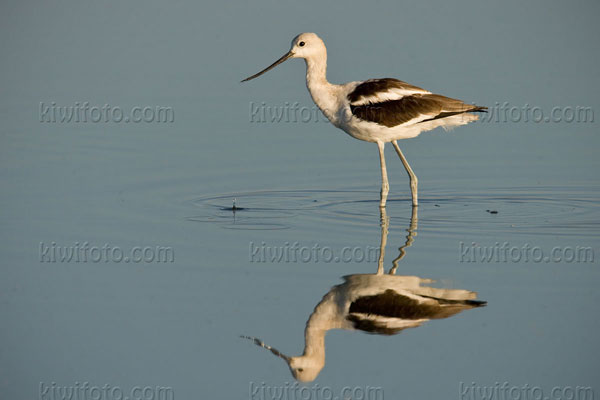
[(262, 344)]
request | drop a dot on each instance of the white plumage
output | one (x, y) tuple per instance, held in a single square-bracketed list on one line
[(378, 303), (376, 110)]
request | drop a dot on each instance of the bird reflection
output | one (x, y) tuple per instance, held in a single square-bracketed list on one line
[(380, 303)]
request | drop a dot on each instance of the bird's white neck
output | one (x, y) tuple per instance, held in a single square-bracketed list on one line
[(321, 91), (314, 346)]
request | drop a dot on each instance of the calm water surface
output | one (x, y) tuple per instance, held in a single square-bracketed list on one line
[(528, 192)]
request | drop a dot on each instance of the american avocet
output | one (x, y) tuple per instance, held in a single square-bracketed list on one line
[(377, 303), (375, 110)]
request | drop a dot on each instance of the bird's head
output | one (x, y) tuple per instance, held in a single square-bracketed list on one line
[(305, 368), (305, 45)]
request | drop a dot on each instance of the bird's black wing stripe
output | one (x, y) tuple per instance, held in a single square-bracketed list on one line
[(371, 326), (393, 304), (374, 86), (396, 112), (449, 114), (473, 303)]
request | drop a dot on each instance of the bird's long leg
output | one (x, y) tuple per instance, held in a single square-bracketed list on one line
[(385, 186), (385, 224), (412, 232), (414, 182)]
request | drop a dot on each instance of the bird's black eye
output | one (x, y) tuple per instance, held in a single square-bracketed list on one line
[(301, 369), (301, 44)]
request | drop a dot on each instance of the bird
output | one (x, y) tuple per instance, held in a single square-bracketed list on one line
[(376, 110), (380, 303)]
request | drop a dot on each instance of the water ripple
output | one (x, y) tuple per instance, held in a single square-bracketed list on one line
[(540, 210)]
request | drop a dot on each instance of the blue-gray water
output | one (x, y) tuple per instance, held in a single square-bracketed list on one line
[(177, 324)]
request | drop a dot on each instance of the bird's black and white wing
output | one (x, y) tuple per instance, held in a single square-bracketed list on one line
[(391, 102), (390, 311)]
